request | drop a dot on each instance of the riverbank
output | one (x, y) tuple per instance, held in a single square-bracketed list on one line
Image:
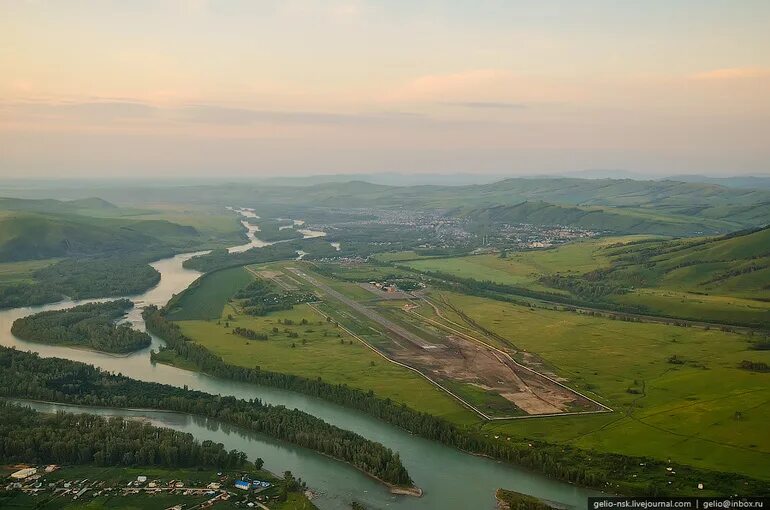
[(88, 385), (169, 359)]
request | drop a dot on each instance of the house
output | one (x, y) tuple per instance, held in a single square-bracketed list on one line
[(23, 473), (242, 484)]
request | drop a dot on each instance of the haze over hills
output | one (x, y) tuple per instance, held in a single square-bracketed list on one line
[(628, 221), (33, 236), (618, 205)]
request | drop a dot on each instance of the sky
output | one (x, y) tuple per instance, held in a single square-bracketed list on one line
[(173, 88)]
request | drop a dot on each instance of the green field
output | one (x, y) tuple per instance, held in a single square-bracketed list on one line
[(678, 392), (207, 296), (706, 412), (22, 272), (723, 279), (521, 268), (713, 308), (320, 350), (704, 279)]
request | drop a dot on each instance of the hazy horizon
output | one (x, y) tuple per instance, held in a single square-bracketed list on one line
[(206, 89)]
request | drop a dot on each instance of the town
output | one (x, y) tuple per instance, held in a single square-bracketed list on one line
[(52, 486)]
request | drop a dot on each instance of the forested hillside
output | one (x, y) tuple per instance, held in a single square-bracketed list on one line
[(83, 249), (49, 205), (26, 236), (81, 278)]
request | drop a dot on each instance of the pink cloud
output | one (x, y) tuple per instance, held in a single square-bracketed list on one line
[(733, 73), (499, 85)]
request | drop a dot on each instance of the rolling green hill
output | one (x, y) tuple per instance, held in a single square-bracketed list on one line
[(30, 236), (736, 264), (721, 279), (621, 205), (627, 221)]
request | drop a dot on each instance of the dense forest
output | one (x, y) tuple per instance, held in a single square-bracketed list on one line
[(633, 475), (261, 297), (103, 277), (27, 294), (82, 279), (26, 375), (91, 325), (63, 438), (593, 286)]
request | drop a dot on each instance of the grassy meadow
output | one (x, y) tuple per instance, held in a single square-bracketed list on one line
[(521, 268), (708, 282), (707, 307), (23, 271), (320, 350), (678, 392), (215, 224), (705, 411), (207, 296)]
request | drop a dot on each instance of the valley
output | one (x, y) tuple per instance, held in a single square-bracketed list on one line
[(505, 343)]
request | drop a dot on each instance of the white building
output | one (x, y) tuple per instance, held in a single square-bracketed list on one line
[(23, 473)]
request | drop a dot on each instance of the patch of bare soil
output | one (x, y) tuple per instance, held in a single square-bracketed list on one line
[(467, 362)]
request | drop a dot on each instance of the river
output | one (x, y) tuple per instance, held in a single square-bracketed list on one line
[(252, 230), (449, 478)]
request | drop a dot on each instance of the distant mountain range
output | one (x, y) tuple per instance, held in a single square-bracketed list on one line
[(462, 179)]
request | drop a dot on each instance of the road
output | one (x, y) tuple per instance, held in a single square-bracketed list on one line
[(367, 312)]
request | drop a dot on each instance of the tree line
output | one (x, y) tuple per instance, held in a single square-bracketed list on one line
[(261, 297), (513, 294), (26, 375), (502, 291), (222, 259), (587, 468), (64, 438), (90, 325), (249, 333)]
